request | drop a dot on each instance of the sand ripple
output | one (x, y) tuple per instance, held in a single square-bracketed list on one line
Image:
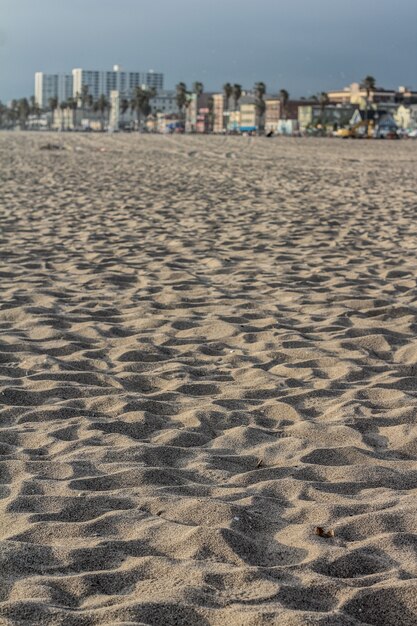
[(207, 349)]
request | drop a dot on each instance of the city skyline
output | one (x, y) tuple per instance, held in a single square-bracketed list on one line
[(303, 49)]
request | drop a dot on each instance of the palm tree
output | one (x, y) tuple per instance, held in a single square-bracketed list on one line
[(211, 114), (23, 108), (101, 106), (13, 112), (84, 99), (124, 105), (260, 90), (237, 94), (72, 104), (63, 107), (182, 98), (198, 88), (284, 96), (83, 96), (227, 92), (3, 114), (150, 93), (141, 102), (35, 109), (369, 84), (323, 100), (53, 105)]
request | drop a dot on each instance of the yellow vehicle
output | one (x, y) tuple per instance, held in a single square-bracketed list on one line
[(364, 128)]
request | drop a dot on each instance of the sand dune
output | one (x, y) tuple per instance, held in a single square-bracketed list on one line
[(207, 349)]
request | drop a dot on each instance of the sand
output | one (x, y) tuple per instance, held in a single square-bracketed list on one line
[(207, 350)]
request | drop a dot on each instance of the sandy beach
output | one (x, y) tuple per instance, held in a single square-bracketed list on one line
[(208, 349)]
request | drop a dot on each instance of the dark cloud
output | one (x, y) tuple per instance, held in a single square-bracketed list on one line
[(302, 45)]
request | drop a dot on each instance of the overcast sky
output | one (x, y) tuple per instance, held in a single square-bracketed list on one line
[(304, 46)]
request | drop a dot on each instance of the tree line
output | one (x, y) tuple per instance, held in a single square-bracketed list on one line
[(19, 111)]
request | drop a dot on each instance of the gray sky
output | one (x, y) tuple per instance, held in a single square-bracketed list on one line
[(304, 46)]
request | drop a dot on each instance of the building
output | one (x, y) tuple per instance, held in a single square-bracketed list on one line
[(234, 121), (49, 86), (199, 113), (272, 114), (248, 114), (406, 116), (205, 113), (114, 117), (356, 94), (315, 115), (218, 113), (165, 102), (373, 123), (64, 86), (104, 82), (121, 116)]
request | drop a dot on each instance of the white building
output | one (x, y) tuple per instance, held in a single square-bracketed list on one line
[(104, 82), (164, 102), (52, 86)]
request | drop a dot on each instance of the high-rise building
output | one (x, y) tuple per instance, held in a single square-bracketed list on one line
[(52, 86), (103, 83), (64, 86)]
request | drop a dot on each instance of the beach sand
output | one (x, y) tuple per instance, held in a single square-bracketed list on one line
[(207, 349)]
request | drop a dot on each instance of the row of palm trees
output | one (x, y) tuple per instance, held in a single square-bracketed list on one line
[(184, 98), (18, 112), (139, 103), (230, 92)]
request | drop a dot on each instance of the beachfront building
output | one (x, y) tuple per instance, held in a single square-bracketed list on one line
[(356, 94), (70, 119), (205, 113), (199, 113), (406, 116), (219, 122), (49, 86), (248, 115), (165, 102), (225, 118), (104, 82), (272, 114), (234, 120), (328, 117)]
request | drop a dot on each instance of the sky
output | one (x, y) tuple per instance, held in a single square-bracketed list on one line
[(304, 46)]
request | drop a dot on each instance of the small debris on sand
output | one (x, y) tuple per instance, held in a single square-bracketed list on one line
[(51, 146), (324, 533)]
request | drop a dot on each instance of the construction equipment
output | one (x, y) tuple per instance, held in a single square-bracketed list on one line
[(362, 129)]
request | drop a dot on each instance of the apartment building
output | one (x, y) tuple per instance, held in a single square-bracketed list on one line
[(104, 82), (164, 102), (52, 86), (357, 94)]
